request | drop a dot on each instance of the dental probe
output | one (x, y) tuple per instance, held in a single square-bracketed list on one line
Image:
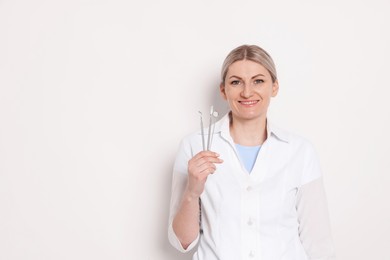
[(201, 130)]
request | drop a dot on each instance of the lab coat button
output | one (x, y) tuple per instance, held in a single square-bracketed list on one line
[(249, 188), (250, 222), (251, 254)]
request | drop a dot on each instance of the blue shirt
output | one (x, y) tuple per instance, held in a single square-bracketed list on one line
[(248, 155)]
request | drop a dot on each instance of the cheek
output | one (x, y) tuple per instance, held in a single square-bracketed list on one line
[(228, 94), (266, 92)]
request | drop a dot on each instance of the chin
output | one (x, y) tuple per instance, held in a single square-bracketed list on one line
[(247, 116)]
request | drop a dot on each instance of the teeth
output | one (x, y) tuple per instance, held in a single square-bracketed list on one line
[(248, 102)]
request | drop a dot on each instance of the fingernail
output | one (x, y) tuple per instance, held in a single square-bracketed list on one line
[(217, 154)]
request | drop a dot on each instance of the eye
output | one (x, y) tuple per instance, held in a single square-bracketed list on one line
[(258, 81), (235, 82)]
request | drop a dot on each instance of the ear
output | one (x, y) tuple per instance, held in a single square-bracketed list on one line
[(275, 88), (222, 90)]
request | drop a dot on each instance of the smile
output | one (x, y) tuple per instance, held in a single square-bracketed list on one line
[(249, 102)]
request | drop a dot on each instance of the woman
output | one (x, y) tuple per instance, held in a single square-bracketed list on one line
[(259, 193)]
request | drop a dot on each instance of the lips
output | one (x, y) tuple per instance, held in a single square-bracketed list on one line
[(249, 102)]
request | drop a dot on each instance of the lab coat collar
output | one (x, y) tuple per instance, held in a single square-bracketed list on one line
[(222, 126)]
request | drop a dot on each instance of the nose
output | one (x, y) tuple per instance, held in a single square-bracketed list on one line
[(246, 91)]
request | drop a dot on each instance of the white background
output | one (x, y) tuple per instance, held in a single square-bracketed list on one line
[(96, 95)]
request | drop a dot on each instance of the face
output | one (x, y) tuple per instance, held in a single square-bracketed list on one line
[(248, 89)]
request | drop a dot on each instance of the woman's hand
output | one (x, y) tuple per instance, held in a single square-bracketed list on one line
[(186, 222), (199, 168)]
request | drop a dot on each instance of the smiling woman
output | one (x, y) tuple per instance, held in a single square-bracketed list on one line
[(248, 89), (259, 194)]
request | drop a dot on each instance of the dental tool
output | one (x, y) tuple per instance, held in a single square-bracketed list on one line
[(210, 126), (201, 130), (213, 115)]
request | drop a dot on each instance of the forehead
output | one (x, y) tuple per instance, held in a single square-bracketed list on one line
[(246, 68)]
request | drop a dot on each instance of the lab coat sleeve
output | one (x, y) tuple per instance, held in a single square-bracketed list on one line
[(311, 165), (313, 216), (179, 182)]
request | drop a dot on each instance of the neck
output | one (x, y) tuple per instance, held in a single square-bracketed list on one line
[(249, 132)]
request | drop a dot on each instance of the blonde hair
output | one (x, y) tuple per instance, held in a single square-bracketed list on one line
[(249, 52)]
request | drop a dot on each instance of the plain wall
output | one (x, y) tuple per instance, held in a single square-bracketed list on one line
[(95, 97)]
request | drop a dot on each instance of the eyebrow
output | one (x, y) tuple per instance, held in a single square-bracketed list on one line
[(233, 76)]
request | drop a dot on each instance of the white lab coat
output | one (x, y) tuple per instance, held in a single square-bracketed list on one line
[(277, 212)]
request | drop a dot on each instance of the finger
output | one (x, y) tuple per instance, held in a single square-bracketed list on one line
[(208, 171), (205, 167), (205, 154), (197, 170), (206, 160)]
